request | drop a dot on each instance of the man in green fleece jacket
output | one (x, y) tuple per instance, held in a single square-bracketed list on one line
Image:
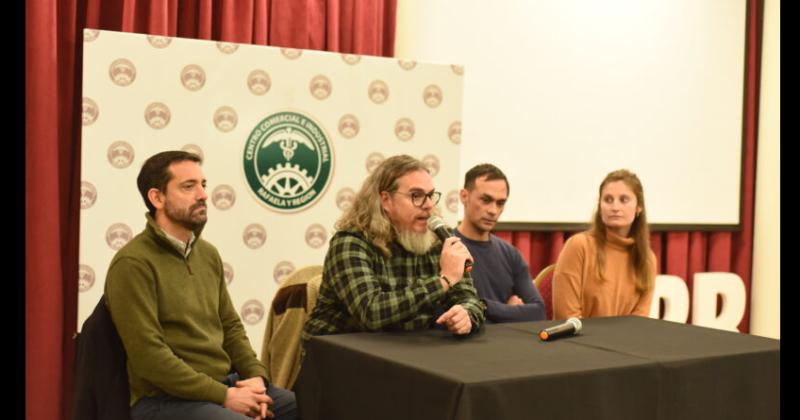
[(166, 292)]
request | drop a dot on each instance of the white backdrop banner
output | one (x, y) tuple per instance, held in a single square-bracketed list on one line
[(287, 137)]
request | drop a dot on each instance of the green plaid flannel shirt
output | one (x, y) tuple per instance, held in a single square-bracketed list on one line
[(362, 290)]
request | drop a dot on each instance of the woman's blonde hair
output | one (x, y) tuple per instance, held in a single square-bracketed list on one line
[(366, 214), (643, 267)]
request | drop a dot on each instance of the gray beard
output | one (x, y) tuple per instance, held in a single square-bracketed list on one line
[(416, 243)]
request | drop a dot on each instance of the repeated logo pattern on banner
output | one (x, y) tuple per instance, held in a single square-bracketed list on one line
[(287, 137)]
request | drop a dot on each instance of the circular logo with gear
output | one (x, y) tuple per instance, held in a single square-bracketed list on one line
[(258, 82), (407, 64), (404, 129), (89, 111), (432, 96), (225, 119), (194, 149), (345, 198), (223, 197), (117, 235), (227, 47), (86, 278), (348, 126), (282, 270), (432, 163), (120, 154), (351, 59), (254, 235), (316, 236), (454, 132), (88, 195), (193, 77), (378, 91), (288, 161), (157, 115), (291, 53), (122, 72), (252, 312), (90, 35), (158, 41), (320, 87), (373, 160), (227, 271), (451, 202)]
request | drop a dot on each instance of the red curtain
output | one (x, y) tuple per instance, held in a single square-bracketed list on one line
[(54, 33), (348, 26), (685, 253)]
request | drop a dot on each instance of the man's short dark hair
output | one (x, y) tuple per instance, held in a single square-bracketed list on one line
[(488, 170), (155, 173)]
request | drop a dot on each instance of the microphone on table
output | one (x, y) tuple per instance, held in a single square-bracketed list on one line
[(570, 327), (436, 224)]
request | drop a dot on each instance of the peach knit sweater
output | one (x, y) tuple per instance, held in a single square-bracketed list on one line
[(577, 290)]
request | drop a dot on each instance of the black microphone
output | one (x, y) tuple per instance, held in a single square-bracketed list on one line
[(570, 327), (436, 224)]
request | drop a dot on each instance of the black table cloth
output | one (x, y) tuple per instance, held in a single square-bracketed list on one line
[(617, 368)]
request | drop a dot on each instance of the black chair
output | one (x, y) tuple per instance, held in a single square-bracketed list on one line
[(101, 376)]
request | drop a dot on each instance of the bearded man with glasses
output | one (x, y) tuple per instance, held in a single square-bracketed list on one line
[(385, 271)]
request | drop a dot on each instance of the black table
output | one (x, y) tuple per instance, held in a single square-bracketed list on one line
[(617, 368)]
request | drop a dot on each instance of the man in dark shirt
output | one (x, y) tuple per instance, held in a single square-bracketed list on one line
[(500, 273), (385, 270)]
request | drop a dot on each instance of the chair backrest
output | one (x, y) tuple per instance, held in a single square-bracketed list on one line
[(101, 376), (291, 307), (544, 282)]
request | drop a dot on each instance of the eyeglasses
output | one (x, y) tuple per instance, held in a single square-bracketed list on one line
[(418, 197)]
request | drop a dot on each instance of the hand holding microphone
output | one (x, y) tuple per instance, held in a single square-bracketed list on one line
[(437, 226), (570, 327)]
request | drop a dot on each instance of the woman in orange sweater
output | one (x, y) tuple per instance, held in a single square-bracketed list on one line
[(610, 269)]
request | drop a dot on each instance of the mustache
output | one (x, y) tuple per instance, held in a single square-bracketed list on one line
[(198, 204)]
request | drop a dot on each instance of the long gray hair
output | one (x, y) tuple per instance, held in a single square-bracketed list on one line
[(366, 214)]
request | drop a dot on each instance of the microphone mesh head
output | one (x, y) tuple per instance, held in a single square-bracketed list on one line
[(577, 323), (435, 222)]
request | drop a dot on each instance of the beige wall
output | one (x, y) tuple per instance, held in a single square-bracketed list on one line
[(766, 288), (568, 86), (406, 23)]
